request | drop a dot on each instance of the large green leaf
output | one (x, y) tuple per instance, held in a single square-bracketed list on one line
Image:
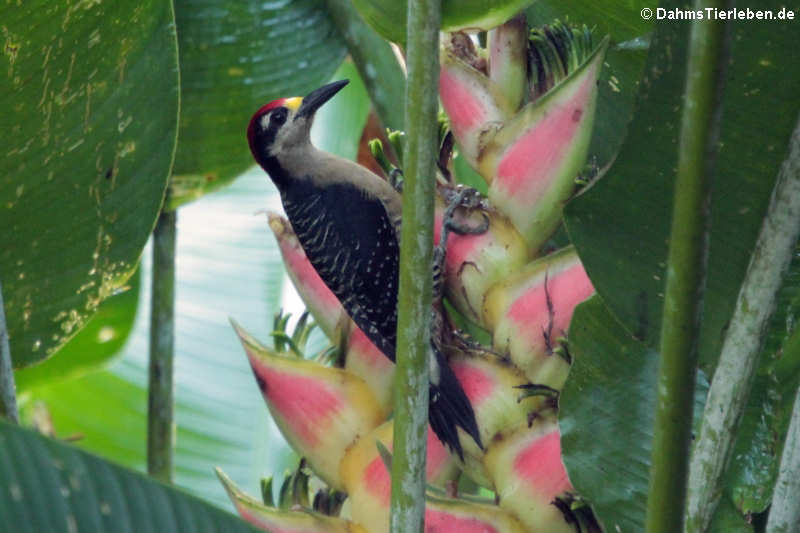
[(388, 17), (88, 107), (621, 19), (728, 519), (100, 339), (228, 265), (606, 417), (235, 57), (114, 427), (621, 224), (607, 444), (53, 487), (607, 406)]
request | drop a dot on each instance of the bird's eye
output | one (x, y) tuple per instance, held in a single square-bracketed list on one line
[(278, 116)]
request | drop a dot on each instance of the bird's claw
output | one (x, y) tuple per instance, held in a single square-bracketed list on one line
[(465, 197), (396, 179)]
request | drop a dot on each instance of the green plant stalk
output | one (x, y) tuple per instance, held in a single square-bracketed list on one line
[(376, 62), (416, 274), (685, 281), (8, 390), (784, 512), (160, 408), (733, 377)]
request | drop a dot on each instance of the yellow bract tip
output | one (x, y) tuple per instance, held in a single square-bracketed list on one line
[(293, 103)]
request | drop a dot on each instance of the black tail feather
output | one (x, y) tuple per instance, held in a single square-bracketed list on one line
[(450, 409)]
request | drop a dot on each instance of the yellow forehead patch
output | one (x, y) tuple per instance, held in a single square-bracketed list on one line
[(293, 103)]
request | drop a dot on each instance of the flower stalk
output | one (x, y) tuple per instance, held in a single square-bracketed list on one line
[(160, 404), (416, 254), (685, 283)]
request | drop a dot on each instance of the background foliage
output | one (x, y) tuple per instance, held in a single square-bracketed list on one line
[(84, 163), (89, 104), (621, 224)]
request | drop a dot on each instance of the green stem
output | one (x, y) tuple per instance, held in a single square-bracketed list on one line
[(744, 339), (416, 254), (683, 295), (8, 390), (160, 410), (375, 61)]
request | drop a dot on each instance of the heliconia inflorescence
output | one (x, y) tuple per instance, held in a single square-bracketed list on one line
[(284, 521), (528, 138), (475, 262), (526, 469), (521, 112), (362, 358), (367, 478), (531, 309), (320, 410)]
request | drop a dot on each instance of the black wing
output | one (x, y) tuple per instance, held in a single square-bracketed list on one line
[(351, 242)]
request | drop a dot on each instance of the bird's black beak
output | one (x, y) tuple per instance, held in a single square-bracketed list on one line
[(316, 98)]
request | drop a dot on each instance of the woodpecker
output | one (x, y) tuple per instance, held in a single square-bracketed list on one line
[(347, 220)]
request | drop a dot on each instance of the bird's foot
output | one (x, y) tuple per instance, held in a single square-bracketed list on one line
[(465, 198), (457, 197)]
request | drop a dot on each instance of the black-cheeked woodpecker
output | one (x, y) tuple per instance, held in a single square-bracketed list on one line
[(347, 220)]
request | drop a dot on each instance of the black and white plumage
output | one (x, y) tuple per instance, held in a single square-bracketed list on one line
[(352, 245), (347, 220)]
